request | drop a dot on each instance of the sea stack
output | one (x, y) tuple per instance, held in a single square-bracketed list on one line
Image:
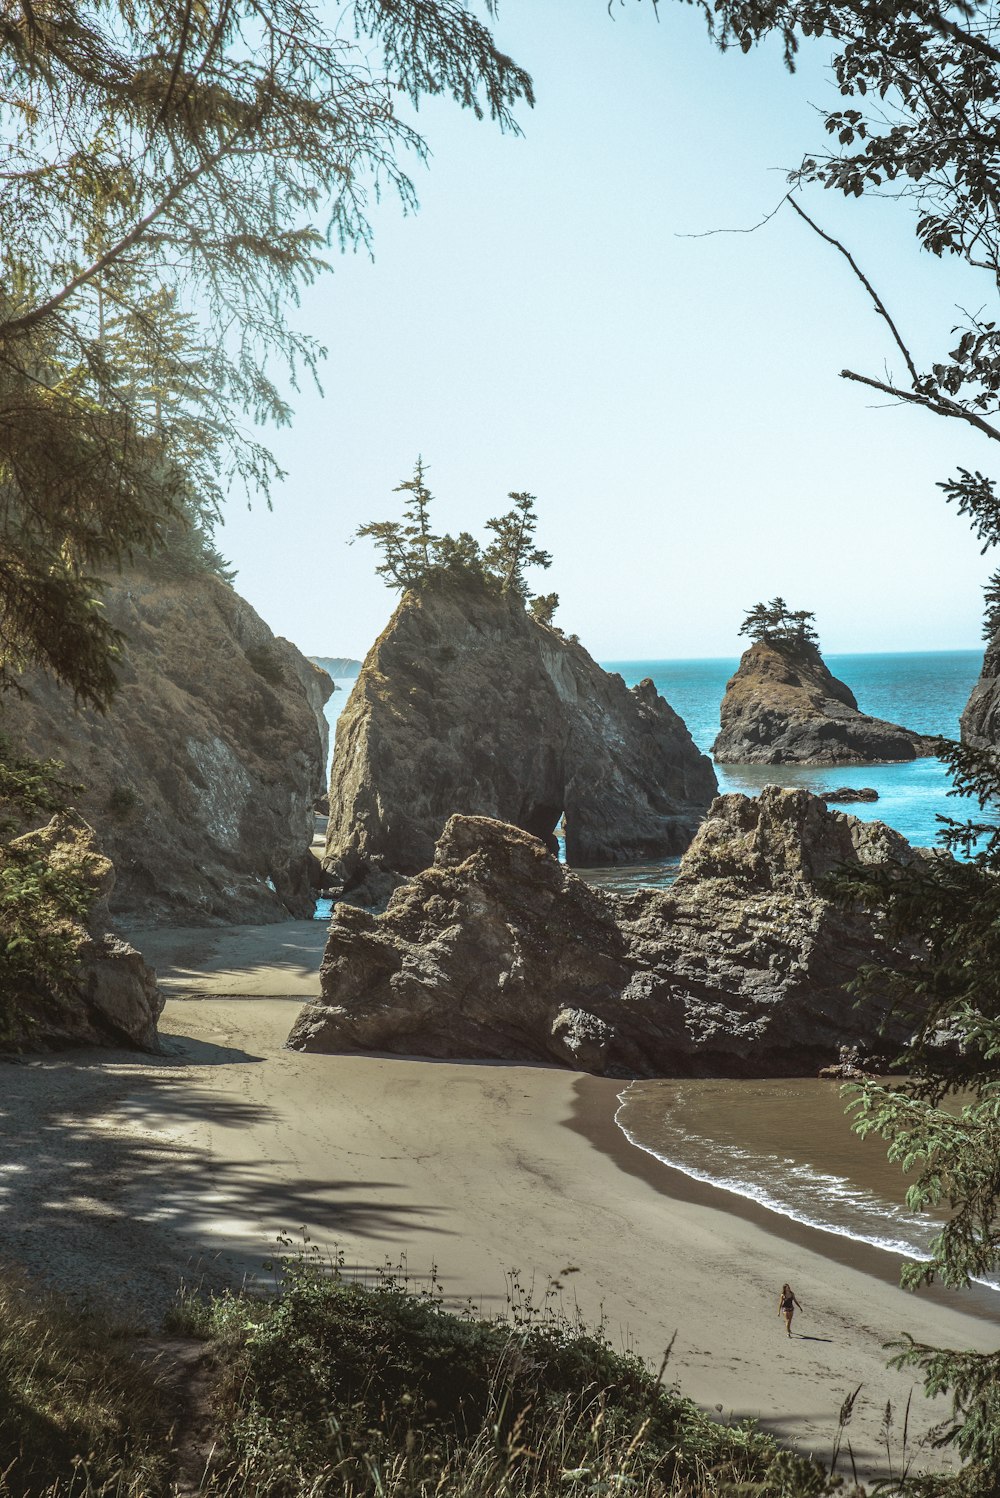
[(785, 707), (468, 704), (740, 969)]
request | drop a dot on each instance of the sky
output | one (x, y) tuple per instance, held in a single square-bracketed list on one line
[(556, 317)]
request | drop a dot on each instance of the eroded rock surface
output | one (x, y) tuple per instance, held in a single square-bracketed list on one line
[(498, 950), (466, 704), (112, 999), (784, 706), (981, 718), (200, 779)]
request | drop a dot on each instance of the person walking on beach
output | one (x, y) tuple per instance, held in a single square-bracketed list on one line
[(786, 1306)]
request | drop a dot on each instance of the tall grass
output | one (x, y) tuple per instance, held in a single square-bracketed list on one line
[(80, 1411)]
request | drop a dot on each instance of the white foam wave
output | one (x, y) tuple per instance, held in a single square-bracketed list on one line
[(757, 1192)]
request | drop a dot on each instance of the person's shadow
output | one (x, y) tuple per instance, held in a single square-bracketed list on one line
[(804, 1337)]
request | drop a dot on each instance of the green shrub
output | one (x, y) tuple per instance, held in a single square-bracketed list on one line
[(332, 1387)]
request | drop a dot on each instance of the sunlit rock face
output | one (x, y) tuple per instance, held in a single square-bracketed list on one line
[(498, 950), (466, 704), (200, 779), (784, 706), (981, 718)]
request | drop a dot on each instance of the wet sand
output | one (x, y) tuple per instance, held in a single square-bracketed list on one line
[(144, 1170)]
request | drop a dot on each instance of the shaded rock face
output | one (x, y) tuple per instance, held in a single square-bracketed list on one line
[(981, 719), (201, 777), (466, 704), (113, 998), (499, 951), (785, 707)]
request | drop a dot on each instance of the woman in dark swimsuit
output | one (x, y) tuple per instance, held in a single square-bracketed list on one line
[(786, 1306)]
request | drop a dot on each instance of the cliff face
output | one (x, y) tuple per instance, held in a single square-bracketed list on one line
[(981, 718), (786, 707), (465, 704), (499, 951), (200, 779)]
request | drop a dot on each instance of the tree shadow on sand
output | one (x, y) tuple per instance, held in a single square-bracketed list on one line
[(117, 1218)]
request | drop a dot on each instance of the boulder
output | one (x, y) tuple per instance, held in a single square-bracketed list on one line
[(785, 707), (848, 794), (498, 950), (112, 998), (201, 777), (467, 704)]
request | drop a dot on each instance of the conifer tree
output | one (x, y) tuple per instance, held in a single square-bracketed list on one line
[(172, 176)]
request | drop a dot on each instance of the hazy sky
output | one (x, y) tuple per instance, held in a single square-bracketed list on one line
[(546, 322)]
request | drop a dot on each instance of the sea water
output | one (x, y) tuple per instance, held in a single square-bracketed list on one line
[(787, 1145)]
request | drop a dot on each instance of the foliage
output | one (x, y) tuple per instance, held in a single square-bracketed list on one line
[(173, 173), (543, 607), (413, 556), (43, 898), (941, 1120), (331, 1386), (779, 625), (79, 1413)]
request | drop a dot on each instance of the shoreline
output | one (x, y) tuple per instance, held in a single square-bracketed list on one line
[(149, 1170), (607, 1136)]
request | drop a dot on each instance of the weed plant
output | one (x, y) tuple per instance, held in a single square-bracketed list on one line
[(374, 1390), (80, 1413)]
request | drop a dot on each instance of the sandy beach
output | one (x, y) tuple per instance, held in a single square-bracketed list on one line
[(119, 1176)]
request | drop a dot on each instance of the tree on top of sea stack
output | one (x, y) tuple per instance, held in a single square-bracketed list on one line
[(411, 556), (785, 706), (776, 623)]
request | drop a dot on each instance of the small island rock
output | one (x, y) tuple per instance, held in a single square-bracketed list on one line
[(785, 707), (849, 793)]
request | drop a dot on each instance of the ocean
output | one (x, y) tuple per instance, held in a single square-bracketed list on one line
[(786, 1146)]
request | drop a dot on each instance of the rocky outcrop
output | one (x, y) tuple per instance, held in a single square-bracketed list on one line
[(499, 951), (785, 707), (112, 998), (201, 777), (849, 793), (466, 704), (981, 719)]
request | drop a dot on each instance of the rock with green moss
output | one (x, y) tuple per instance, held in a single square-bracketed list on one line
[(64, 978)]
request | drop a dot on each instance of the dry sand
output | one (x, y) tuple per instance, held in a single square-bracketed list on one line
[(120, 1175)]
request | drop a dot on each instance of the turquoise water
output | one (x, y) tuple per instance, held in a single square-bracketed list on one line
[(925, 691)]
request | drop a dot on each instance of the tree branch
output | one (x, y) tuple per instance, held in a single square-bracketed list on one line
[(957, 33), (28, 320), (880, 307), (936, 403)]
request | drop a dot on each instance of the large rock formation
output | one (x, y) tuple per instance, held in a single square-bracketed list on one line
[(112, 999), (981, 718), (499, 951), (466, 704), (785, 707), (201, 777)]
